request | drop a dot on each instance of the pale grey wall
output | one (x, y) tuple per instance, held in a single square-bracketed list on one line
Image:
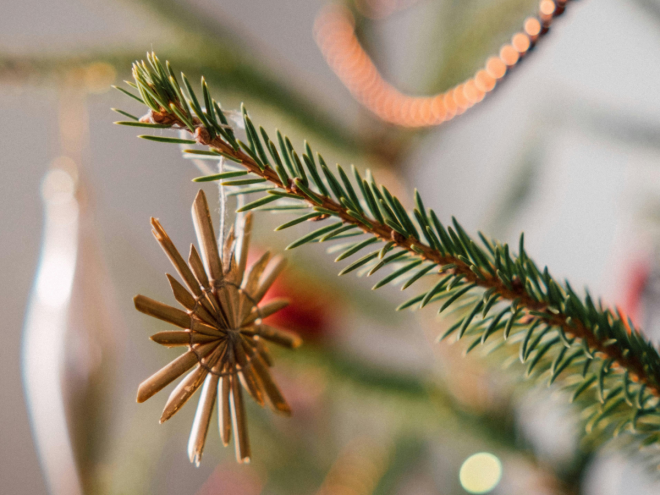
[(603, 57)]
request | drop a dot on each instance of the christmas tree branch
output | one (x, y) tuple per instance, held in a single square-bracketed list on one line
[(597, 354)]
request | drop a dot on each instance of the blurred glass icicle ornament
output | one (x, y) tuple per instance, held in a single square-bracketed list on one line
[(222, 329), (69, 328), (45, 334)]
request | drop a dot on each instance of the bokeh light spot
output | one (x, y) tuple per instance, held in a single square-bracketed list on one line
[(480, 473)]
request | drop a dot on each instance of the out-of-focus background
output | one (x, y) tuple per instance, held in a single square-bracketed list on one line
[(567, 150)]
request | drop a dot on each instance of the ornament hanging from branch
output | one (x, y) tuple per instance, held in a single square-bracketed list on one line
[(223, 330)]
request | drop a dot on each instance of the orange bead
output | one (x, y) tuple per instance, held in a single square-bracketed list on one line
[(402, 107), (509, 55), (484, 81), (438, 109), (450, 104), (415, 109), (532, 28), (520, 42), (546, 12), (472, 94), (547, 7), (425, 112), (495, 68), (459, 97)]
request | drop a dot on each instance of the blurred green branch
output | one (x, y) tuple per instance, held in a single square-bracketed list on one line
[(495, 426), (199, 44), (222, 67)]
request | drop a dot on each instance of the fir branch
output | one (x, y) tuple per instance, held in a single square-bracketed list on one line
[(597, 355)]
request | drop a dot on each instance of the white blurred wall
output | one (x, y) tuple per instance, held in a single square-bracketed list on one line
[(585, 218)]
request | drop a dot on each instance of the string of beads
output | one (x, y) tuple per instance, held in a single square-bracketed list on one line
[(335, 35)]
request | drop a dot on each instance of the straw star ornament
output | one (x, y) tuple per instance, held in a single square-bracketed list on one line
[(222, 329)]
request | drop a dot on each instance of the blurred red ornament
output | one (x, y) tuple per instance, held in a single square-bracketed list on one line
[(309, 311), (635, 285)]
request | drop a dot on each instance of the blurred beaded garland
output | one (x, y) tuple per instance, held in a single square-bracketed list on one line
[(335, 35)]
